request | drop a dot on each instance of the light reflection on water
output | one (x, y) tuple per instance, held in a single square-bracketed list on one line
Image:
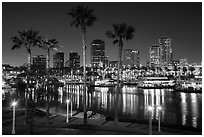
[(177, 107)]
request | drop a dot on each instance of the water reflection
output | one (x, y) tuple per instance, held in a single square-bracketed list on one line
[(178, 108), (194, 106)]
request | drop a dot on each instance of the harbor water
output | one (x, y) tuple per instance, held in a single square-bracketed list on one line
[(178, 108)]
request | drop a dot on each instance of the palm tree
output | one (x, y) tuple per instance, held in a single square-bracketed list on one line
[(83, 17), (27, 39), (120, 33), (48, 45)]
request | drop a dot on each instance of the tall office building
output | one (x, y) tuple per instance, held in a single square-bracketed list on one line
[(166, 51), (58, 60), (39, 64), (155, 56), (74, 60), (131, 58), (98, 58)]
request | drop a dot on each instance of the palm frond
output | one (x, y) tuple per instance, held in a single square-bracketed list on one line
[(49, 44), (26, 38), (122, 28), (90, 21), (74, 23), (115, 41), (121, 32), (17, 42), (16, 46), (129, 33), (110, 34), (82, 16), (116, 29)]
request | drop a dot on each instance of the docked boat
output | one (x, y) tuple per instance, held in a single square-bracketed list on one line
[(155, 82), (131, 83), (104, 83), (190, 86)]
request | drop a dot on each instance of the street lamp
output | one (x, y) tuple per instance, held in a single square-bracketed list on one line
[(68, 110), (14, 103), (159, 126), (150, 119)]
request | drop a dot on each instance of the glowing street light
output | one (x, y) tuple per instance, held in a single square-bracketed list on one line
[(150, 119), (159, 126), (14, 103), (68, 110)]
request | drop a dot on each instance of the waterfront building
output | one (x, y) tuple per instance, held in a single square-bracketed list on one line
[(58, 60), (147, 64), (176, 63), (9, 71), (155, 56), (166, 51), (113, 64), (74, 60), (39, 64), (183, 62), (98, 58), (7, 67), (131, 58)]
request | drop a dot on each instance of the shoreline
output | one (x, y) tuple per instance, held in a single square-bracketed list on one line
[(98, 125)]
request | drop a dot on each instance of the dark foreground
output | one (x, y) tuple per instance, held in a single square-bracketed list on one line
[(57, 126)]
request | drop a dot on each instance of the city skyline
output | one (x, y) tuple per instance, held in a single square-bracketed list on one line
[(181, 22)]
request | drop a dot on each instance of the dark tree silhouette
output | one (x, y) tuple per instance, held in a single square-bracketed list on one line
[(26, 39), (83, 17), (120, 33), (48, 45)]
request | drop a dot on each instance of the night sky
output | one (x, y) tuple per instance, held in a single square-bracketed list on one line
[(182, 22)]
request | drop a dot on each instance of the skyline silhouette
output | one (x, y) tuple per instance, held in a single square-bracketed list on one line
[(182, 22)]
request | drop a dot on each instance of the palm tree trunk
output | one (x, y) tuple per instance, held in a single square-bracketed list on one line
[(84, 64), (118, 82), (29, 60), (26, 104), (47, 104), (47, 70), (27, 86), (31, 123)]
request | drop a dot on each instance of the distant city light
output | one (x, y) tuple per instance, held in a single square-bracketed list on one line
[(14, 103), (150, 108), (159, 107)]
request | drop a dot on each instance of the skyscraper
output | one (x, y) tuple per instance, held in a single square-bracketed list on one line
[(155, 56), (131, 58), (74, 60), (98, 58), (58, 60), (39, 64), (166, 51)]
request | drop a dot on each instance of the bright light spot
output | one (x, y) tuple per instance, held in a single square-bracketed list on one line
[(159, 107), (68, 100), (150, 108), (183, 97), (193, 97), (194, 122), (14, 103)]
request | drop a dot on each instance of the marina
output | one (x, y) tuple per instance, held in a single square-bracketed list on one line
[(133, 104)]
